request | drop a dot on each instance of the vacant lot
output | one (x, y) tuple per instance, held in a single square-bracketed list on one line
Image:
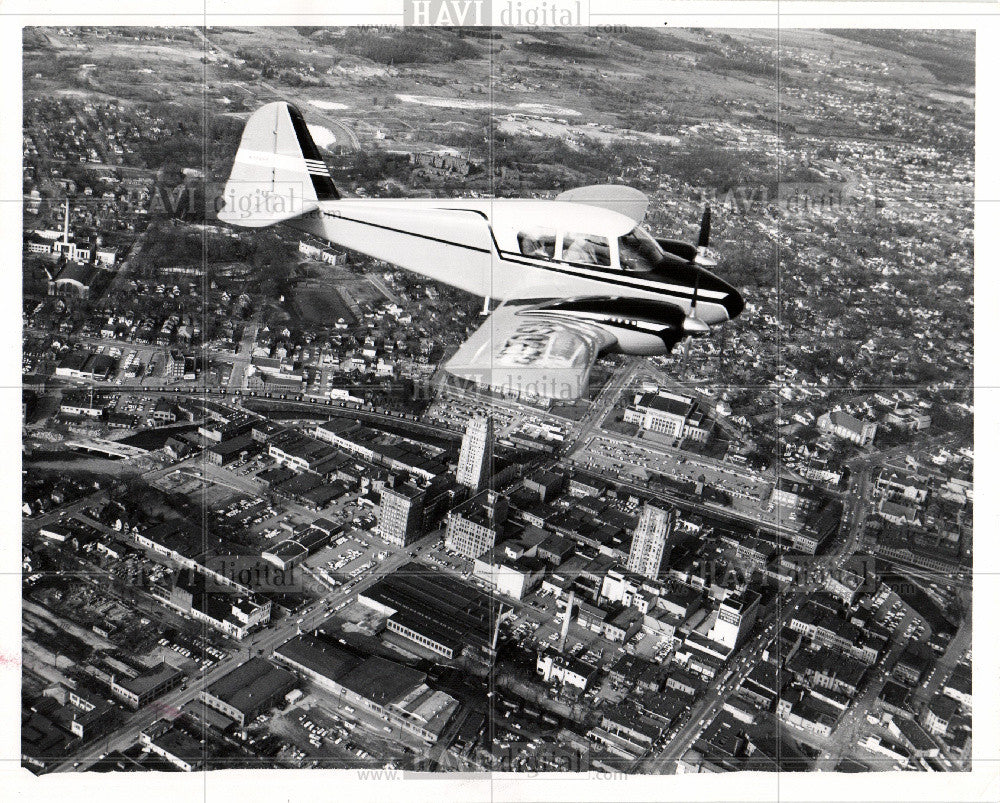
[(319, 304)]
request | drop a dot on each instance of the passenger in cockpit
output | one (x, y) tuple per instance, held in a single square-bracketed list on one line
[(539, 243), (586, 249)]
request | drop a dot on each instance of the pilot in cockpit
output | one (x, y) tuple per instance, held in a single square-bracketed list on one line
[(638, 252)]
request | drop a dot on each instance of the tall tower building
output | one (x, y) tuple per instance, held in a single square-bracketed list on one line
[(476, 454), (401, 514), (476, 525), (649, 542)]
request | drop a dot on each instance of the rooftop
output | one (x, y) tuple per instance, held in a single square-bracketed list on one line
[(451, 612), (252, 685), (672, 405), (317, 655), (148, 681), (382, 681)]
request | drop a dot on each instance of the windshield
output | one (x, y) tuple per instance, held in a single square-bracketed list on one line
[(638, 251)]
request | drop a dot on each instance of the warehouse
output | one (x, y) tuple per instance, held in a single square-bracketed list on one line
[(394, 693), (437, 612), (249, 690)]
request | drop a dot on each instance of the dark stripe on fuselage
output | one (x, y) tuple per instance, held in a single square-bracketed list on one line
[(540, 266)]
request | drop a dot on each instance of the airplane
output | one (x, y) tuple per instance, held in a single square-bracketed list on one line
[(575, 277)]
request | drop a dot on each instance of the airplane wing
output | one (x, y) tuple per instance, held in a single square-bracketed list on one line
[(521, 349), (619, 198)]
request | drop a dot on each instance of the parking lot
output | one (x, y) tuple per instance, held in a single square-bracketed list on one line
[(508, 418), (364, 735), (440, 558), (349, 557), (317, 736), (197, 653)]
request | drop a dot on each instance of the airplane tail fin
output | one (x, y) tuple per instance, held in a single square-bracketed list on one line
[(278, 172)]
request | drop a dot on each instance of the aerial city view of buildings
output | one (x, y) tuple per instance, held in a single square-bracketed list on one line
[(263, 528)]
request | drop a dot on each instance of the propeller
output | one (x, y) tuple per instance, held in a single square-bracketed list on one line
[(706, 227), (693, 326), (701, 255)]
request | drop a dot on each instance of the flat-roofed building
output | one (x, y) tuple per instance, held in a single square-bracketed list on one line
[(940, 715), (231, 450), (237, 615), (401, 514), (826, 668), (796, 496), (737, 615), (959, 685), (808, 713), (393, 453), (899, 485), (145, 687), (649, 542), (824, 628), (401, 696), (298, 451), (565, 669), (477, 524), (397, 694), (669, 414), (625, 721), (249, 690), (545, 484), (437, 612), (316, 659), (176, 746), (476, 453)]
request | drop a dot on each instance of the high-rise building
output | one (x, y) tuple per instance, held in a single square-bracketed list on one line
[(476, 454), (475, 525), (401, 514), (649, 542), (737, 615)]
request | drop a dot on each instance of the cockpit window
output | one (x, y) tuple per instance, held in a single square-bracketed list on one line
[(537, 243), (638, 251), (586, 249)]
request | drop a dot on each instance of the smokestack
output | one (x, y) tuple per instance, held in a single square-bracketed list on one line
[(566, 618), (496, 630)]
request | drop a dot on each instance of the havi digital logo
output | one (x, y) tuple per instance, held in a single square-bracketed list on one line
[(481, 12), (447, 12)]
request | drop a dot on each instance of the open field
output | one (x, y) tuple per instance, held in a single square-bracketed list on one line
[(319, 304)]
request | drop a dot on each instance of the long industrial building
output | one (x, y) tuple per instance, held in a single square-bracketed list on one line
[(438, 613), (393, 692)]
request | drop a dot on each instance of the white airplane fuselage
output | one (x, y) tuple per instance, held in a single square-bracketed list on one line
[(445, 240)]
